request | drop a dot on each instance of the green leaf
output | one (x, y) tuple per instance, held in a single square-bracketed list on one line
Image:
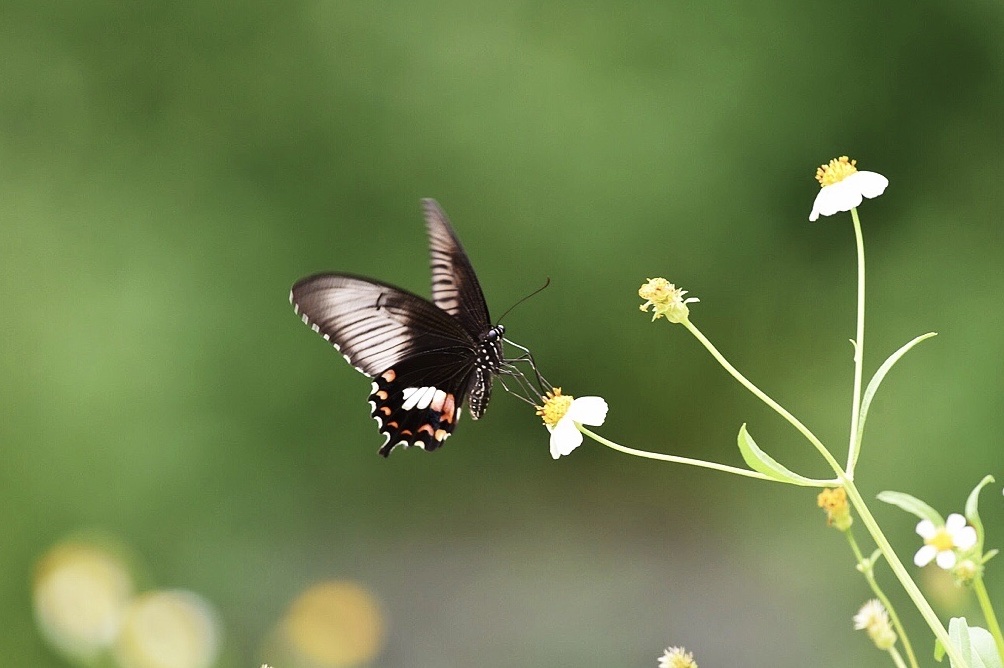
[(975, 644), (873, 384), (912, 505), (972, 510), (758, 460)]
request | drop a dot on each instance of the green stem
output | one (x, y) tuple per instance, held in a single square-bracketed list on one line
[(760, 394), (859, 350), (867, 568), (896, 658), (899, 570), (988, 614), (687, 460)]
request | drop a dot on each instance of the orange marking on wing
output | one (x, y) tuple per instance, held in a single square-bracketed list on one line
[(440, 434), (392, 425), (427, 428), (386, 410), (382, 395), (405, 432), (389, 375), (449, 409)]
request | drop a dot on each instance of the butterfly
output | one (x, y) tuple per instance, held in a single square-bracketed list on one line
[(425, 358)]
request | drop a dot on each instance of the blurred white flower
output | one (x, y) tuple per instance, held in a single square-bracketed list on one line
[(844, 187), (562, 412), (81, 591), (677, 657), (168, 629), (942, 542), (873, 618)]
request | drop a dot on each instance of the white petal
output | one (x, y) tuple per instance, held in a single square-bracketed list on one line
[(869, 184), (965, 538), (841, 196), (925, 555), (926, 529), (564, 438), (955, 522), (946, 559), (588, 410)]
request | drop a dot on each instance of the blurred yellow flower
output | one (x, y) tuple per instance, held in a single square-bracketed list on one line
[(333, 624)]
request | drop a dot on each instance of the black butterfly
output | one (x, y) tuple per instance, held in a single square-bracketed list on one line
[(425, 357)]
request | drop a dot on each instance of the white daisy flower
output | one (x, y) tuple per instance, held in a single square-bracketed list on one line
[(562, 413), (941, 543), (844, 187)]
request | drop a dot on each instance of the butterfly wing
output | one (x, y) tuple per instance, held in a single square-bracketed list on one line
[(421, 359), (455, 287)]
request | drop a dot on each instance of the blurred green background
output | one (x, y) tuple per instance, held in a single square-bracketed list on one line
[(170, 169)]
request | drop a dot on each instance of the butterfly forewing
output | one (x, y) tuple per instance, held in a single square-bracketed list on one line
[(455, 287)]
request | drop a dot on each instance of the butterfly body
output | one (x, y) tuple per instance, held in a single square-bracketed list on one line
[(425, 357)]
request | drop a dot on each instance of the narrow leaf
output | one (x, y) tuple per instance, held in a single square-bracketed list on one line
[(972, 509), (958, 632), (873, 385), (758, 460), (912, 505)]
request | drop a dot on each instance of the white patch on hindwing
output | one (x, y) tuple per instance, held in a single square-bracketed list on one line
[(422, 397)]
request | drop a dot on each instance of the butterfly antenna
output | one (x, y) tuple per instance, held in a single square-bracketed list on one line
[(532, 294)]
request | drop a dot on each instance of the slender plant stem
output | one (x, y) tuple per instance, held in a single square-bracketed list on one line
[(859, 351), (988, 614), (692, 462), (899, 570), (760, 394), (867, 568), (896, 658)]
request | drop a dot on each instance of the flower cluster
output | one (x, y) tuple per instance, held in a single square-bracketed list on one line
[(665, 299), (834, 503)]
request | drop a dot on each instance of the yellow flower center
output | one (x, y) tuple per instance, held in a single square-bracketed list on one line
[(837, 170), (555, 406), (942, 540)]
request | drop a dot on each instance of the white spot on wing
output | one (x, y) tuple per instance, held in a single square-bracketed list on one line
[(412, 396), (427, 394)]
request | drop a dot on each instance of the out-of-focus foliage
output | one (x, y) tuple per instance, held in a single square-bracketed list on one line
[(167, 170)]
